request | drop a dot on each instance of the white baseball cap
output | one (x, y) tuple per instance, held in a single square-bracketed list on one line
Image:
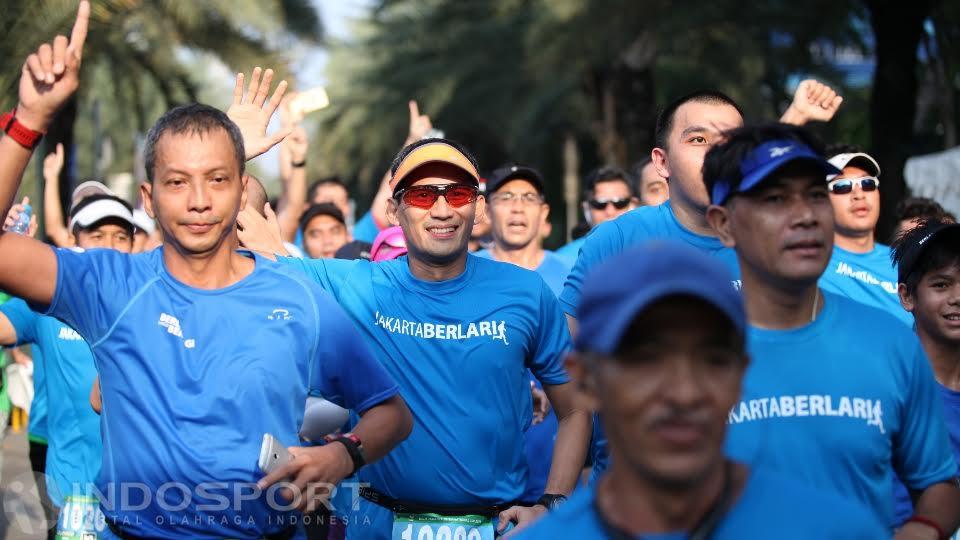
[(842, 160)]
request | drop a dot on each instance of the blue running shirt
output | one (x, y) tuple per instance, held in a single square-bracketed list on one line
[(951, 409), (192, 378), (75, 448), (842, 402), (571, 250), (553, 269), (635, 227), (869, 278), (460, 350), (769, 506)]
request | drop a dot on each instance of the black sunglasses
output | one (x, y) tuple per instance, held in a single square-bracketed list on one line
[(600, 204)]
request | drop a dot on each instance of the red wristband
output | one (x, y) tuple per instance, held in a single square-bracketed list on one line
[(20, 133), (929, 523)]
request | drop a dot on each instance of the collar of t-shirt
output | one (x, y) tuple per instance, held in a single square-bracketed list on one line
[(807, 332), (167, 277), (400, 268), (688, 236)]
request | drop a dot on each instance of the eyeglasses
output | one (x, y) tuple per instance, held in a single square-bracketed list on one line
[(426, 196), (528, 198), (600, 204), (842, 186)]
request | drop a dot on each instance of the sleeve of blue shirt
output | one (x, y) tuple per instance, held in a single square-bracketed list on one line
[(348, 374), (553, 341), (90, 284), (602, 242), (331, 274), (921, 453), (22, 319)]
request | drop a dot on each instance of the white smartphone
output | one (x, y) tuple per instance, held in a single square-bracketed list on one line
[(309, 101), (273, 455)]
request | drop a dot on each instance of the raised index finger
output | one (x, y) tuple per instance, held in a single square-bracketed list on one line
[(79, 34), (414, 110)]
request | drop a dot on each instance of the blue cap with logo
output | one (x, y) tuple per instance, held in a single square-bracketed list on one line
[(620, 288), (763, 161)]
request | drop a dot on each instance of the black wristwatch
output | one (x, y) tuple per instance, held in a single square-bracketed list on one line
[(551, 500), (354, 448)]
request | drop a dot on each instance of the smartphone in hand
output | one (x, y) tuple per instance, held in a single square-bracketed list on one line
[(273, 454)]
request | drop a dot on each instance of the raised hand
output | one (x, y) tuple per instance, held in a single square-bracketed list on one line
[(52, 74), (252, 112), (259, 233), (812, 100), (420, 124), (53, 164)]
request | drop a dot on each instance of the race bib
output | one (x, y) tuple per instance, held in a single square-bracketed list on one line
[(437, 527), (80, 519)]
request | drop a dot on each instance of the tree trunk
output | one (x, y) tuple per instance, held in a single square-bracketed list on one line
[(571, 180), (897, 27), (60, 131)]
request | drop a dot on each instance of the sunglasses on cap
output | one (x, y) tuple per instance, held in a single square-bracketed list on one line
[(842, 186), (600, 204), (426, 196)]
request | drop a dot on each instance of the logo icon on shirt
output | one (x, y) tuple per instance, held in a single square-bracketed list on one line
[(69, 334), (280, 314), (172, 324)]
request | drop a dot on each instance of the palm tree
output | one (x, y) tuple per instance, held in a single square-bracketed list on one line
[(141, 58)]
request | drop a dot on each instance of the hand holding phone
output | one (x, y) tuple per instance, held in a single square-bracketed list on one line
[(273, 454)]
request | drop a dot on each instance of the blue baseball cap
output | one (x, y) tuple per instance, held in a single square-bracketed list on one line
[(620, 288), (763, 161)]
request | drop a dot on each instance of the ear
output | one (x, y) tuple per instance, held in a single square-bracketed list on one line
[(393, 212), (146, 194), (584, 381), (244, 179), (481, 210), (907, 300), (719, 219), (634, 202), (544, 212), (659, 158)]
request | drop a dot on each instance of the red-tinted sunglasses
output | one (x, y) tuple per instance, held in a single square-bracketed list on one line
[(426, 196)]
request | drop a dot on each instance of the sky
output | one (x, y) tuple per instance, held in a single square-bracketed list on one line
[(336, 15)]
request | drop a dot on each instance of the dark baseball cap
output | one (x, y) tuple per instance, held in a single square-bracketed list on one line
[(322, 209), (622, 287), (763, 161), (913, 252), (514, 171)]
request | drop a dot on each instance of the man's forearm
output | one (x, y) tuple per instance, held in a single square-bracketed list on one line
[(383, 427), (53, 223), (290, 208), (569, 452), (940, 503)]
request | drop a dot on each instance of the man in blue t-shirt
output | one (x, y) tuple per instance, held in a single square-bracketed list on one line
[(661, 355), (685, 129), (608, 193), (860, 267), (100, 220), (201, 350), (838, 394), (928, 260), (459, 334), (517, 211)]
